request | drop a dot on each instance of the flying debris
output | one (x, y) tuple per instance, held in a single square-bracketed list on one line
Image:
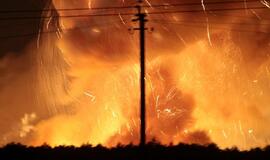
[(78, 73)]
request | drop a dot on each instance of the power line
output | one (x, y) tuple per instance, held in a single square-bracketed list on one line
[(210, 22), (176, 11), (130, 13), (49, 31), (125, 7), (182, 23), (195, 4), (214, 27), (66, 9), (212, 10), (211, 14), (20, 24), (65, 16)]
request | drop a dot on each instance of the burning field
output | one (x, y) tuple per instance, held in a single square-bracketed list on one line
[(208, 76)]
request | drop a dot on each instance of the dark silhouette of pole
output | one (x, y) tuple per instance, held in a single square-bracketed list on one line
[(141, 18)]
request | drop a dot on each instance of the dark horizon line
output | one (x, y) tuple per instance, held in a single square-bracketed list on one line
[(149, 143), (151, 151)]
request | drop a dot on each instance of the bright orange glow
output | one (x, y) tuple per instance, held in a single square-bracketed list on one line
[(197, 92)]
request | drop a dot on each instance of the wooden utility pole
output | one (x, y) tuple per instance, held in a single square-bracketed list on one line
[(141, 18)]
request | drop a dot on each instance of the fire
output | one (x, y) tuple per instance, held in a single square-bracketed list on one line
[(198, 95), (201, 88)]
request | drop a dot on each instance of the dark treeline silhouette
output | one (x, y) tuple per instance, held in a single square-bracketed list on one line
[(152, 151)]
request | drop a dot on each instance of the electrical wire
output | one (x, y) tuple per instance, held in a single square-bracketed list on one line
[(213, 27), (130, 14), (211, 22), (125, 7), (56, 30), (181, 24)]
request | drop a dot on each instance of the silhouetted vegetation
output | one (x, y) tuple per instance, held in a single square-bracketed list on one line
[(152, 151)]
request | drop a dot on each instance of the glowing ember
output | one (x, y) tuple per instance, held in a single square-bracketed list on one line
[(200, 88)]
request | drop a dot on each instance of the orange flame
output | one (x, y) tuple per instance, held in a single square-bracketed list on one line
[(196, 92)]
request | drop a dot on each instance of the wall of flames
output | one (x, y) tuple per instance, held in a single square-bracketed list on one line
[(200, 89)]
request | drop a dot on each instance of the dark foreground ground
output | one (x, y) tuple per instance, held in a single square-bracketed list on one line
[(152, 151)]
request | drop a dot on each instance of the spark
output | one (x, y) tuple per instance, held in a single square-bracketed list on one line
[(132, 80), (181, 38), (251, 131), (157, 102), (96, 30), (38, 39), (202, 1), (62, 25), (48, 23), (134, 122), (245, 4), (58, 33), (159, 75), (74, 98), (128, 127), (179, 112), (208, 32), (177, 128), (121, 18), (241, 129), (165, 28), (148, 3), (93, 98), (186, 131), (163, 133), (131, 129), (175, 18), (264, 2), (151, 85), (224, 134), (243, 134), (146, 11), (90, 4), (158, 113), (114, 114), (119, 131), (167, 110), (207, 21), (184, 76), (136, 69)]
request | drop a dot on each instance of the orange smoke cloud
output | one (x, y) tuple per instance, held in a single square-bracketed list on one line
[(197, 91)]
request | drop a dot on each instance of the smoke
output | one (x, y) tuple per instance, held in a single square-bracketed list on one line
[(82, 84)]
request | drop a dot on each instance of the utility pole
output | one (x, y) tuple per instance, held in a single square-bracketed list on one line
[(141, 18)]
